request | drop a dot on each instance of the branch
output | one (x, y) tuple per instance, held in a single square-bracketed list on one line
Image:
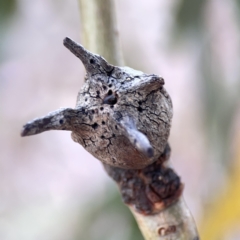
[(101, 36), (99, 29), (174, 222)]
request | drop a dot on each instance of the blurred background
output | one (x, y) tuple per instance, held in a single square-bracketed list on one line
[(50, 187)]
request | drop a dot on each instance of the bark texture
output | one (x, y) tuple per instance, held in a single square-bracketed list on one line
[(153, 194), (172, 223), (150, 189), (99, 29)]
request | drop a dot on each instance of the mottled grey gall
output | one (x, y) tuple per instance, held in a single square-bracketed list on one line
[(122, 116)]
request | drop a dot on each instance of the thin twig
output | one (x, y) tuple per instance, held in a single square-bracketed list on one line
[(101, 36), (99, 29)]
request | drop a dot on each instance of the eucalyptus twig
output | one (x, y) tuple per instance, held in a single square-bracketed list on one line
[(123, 118), (99, 28)]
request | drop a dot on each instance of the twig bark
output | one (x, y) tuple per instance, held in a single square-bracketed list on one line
[(153, 194), (172, 223), (99, 29)]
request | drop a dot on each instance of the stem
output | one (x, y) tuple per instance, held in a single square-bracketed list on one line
[(99, 28), (172, 221)]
